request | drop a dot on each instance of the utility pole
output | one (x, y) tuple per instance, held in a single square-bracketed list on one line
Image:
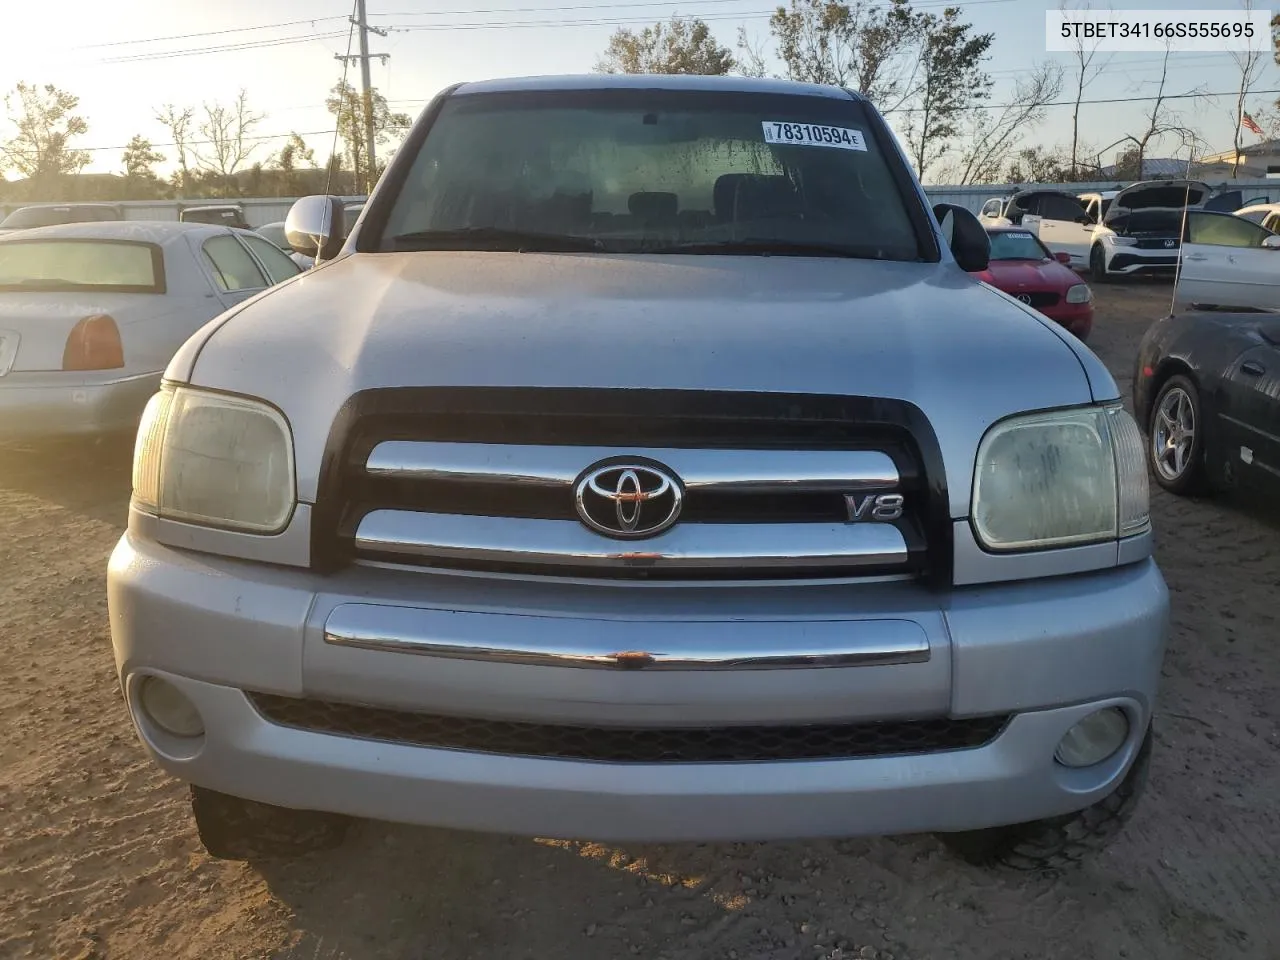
[(361, 20)]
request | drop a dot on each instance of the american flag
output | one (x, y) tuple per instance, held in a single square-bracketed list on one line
[(1248, 123)]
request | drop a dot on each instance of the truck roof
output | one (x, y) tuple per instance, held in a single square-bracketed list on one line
[(650, 81)]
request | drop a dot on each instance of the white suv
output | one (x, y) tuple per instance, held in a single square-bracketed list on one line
[(1141, 230)]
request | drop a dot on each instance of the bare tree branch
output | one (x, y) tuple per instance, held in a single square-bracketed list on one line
[(995, 134), (225, 131), (1087, 68), (1250, 64)]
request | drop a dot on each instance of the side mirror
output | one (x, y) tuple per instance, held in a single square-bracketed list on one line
[(1063, 257), (965, 235), (1271, 242), (314, 227)]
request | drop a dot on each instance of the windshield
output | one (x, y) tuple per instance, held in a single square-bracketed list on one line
[(644, 171), (1017, 246), (65, 265), (45, 217)]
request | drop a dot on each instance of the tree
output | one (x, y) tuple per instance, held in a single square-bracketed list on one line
[(46, 121), (178, 123), (951, 83), (680, 46), (750, 59), (139, 158), (293, 154), (1039, 165), (1249, 63), (226, 142), (348, 106), (1085, 53), (859, 44), (1159, 121), (994, 134)]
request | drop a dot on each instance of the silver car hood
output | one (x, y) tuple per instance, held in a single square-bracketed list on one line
[(964, 353)]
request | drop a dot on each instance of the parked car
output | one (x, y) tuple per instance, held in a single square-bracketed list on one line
[(350, 214), (1228, 262), (90, 314), (1258, 210), (48, 214), (275, 233), (1207, 385), (1023, 267), (1097, 204), (1141, 230), (1059, 219), (225, 214), (555, 504)]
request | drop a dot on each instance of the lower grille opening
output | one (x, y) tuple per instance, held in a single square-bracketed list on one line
[(631, 745)]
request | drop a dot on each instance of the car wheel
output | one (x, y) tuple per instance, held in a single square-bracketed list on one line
[(1098, 266), (1175, 437), (232, 828), (1061, 842)]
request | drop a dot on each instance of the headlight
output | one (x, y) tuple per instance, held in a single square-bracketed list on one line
[(1080, 293), (214, 459), (1123, 241), (1059, 479)]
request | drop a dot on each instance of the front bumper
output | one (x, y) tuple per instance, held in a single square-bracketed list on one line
[(1048, 652), (1128, 262), (46, 405)]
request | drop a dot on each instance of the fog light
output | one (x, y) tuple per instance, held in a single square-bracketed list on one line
[(169, 708), (1093, 739)]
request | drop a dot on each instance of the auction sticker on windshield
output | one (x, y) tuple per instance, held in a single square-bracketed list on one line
[(813, 135)]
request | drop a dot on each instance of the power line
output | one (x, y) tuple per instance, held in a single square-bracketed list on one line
[(1072, 103), (228, 48), (929, 4), (210, 33)]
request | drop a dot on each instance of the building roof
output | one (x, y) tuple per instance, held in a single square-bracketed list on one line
[(655, 81), (1152, 167)]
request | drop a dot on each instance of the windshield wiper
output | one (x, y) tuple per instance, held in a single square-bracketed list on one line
[(493, 238), (764, 247)]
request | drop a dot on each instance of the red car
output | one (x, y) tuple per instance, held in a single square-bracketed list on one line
[(1023, 267)]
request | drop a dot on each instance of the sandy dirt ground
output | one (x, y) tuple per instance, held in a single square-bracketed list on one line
[(98, 857)]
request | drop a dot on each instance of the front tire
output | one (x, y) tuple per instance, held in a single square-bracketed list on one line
[(1057, 843), (1175, 438), (1098, 266), (232, 828)]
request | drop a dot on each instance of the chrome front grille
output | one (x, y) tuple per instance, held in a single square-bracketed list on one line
[(498, 489)]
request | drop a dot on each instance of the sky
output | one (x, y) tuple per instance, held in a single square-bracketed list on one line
[(126, 58)]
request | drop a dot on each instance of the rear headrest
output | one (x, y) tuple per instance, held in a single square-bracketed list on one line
[(763, 197), (748, 196), (653, 206)]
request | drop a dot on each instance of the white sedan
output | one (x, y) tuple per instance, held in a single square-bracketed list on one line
[(91, 314), (1228, 261)]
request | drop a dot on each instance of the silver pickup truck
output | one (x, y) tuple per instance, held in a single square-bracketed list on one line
[(645, 466)]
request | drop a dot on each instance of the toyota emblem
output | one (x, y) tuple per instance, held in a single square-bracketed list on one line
[(1025, 298), (628, 501)]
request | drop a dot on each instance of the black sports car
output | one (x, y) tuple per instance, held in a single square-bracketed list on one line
[(1207, 388)]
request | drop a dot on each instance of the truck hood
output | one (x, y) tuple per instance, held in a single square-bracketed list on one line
[(963, 353)]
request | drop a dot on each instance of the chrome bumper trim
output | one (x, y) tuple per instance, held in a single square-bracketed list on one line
[(687, 546), (759, 645), (719, 471)]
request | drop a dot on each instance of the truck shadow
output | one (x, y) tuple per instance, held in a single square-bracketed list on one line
[(413, 894)]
